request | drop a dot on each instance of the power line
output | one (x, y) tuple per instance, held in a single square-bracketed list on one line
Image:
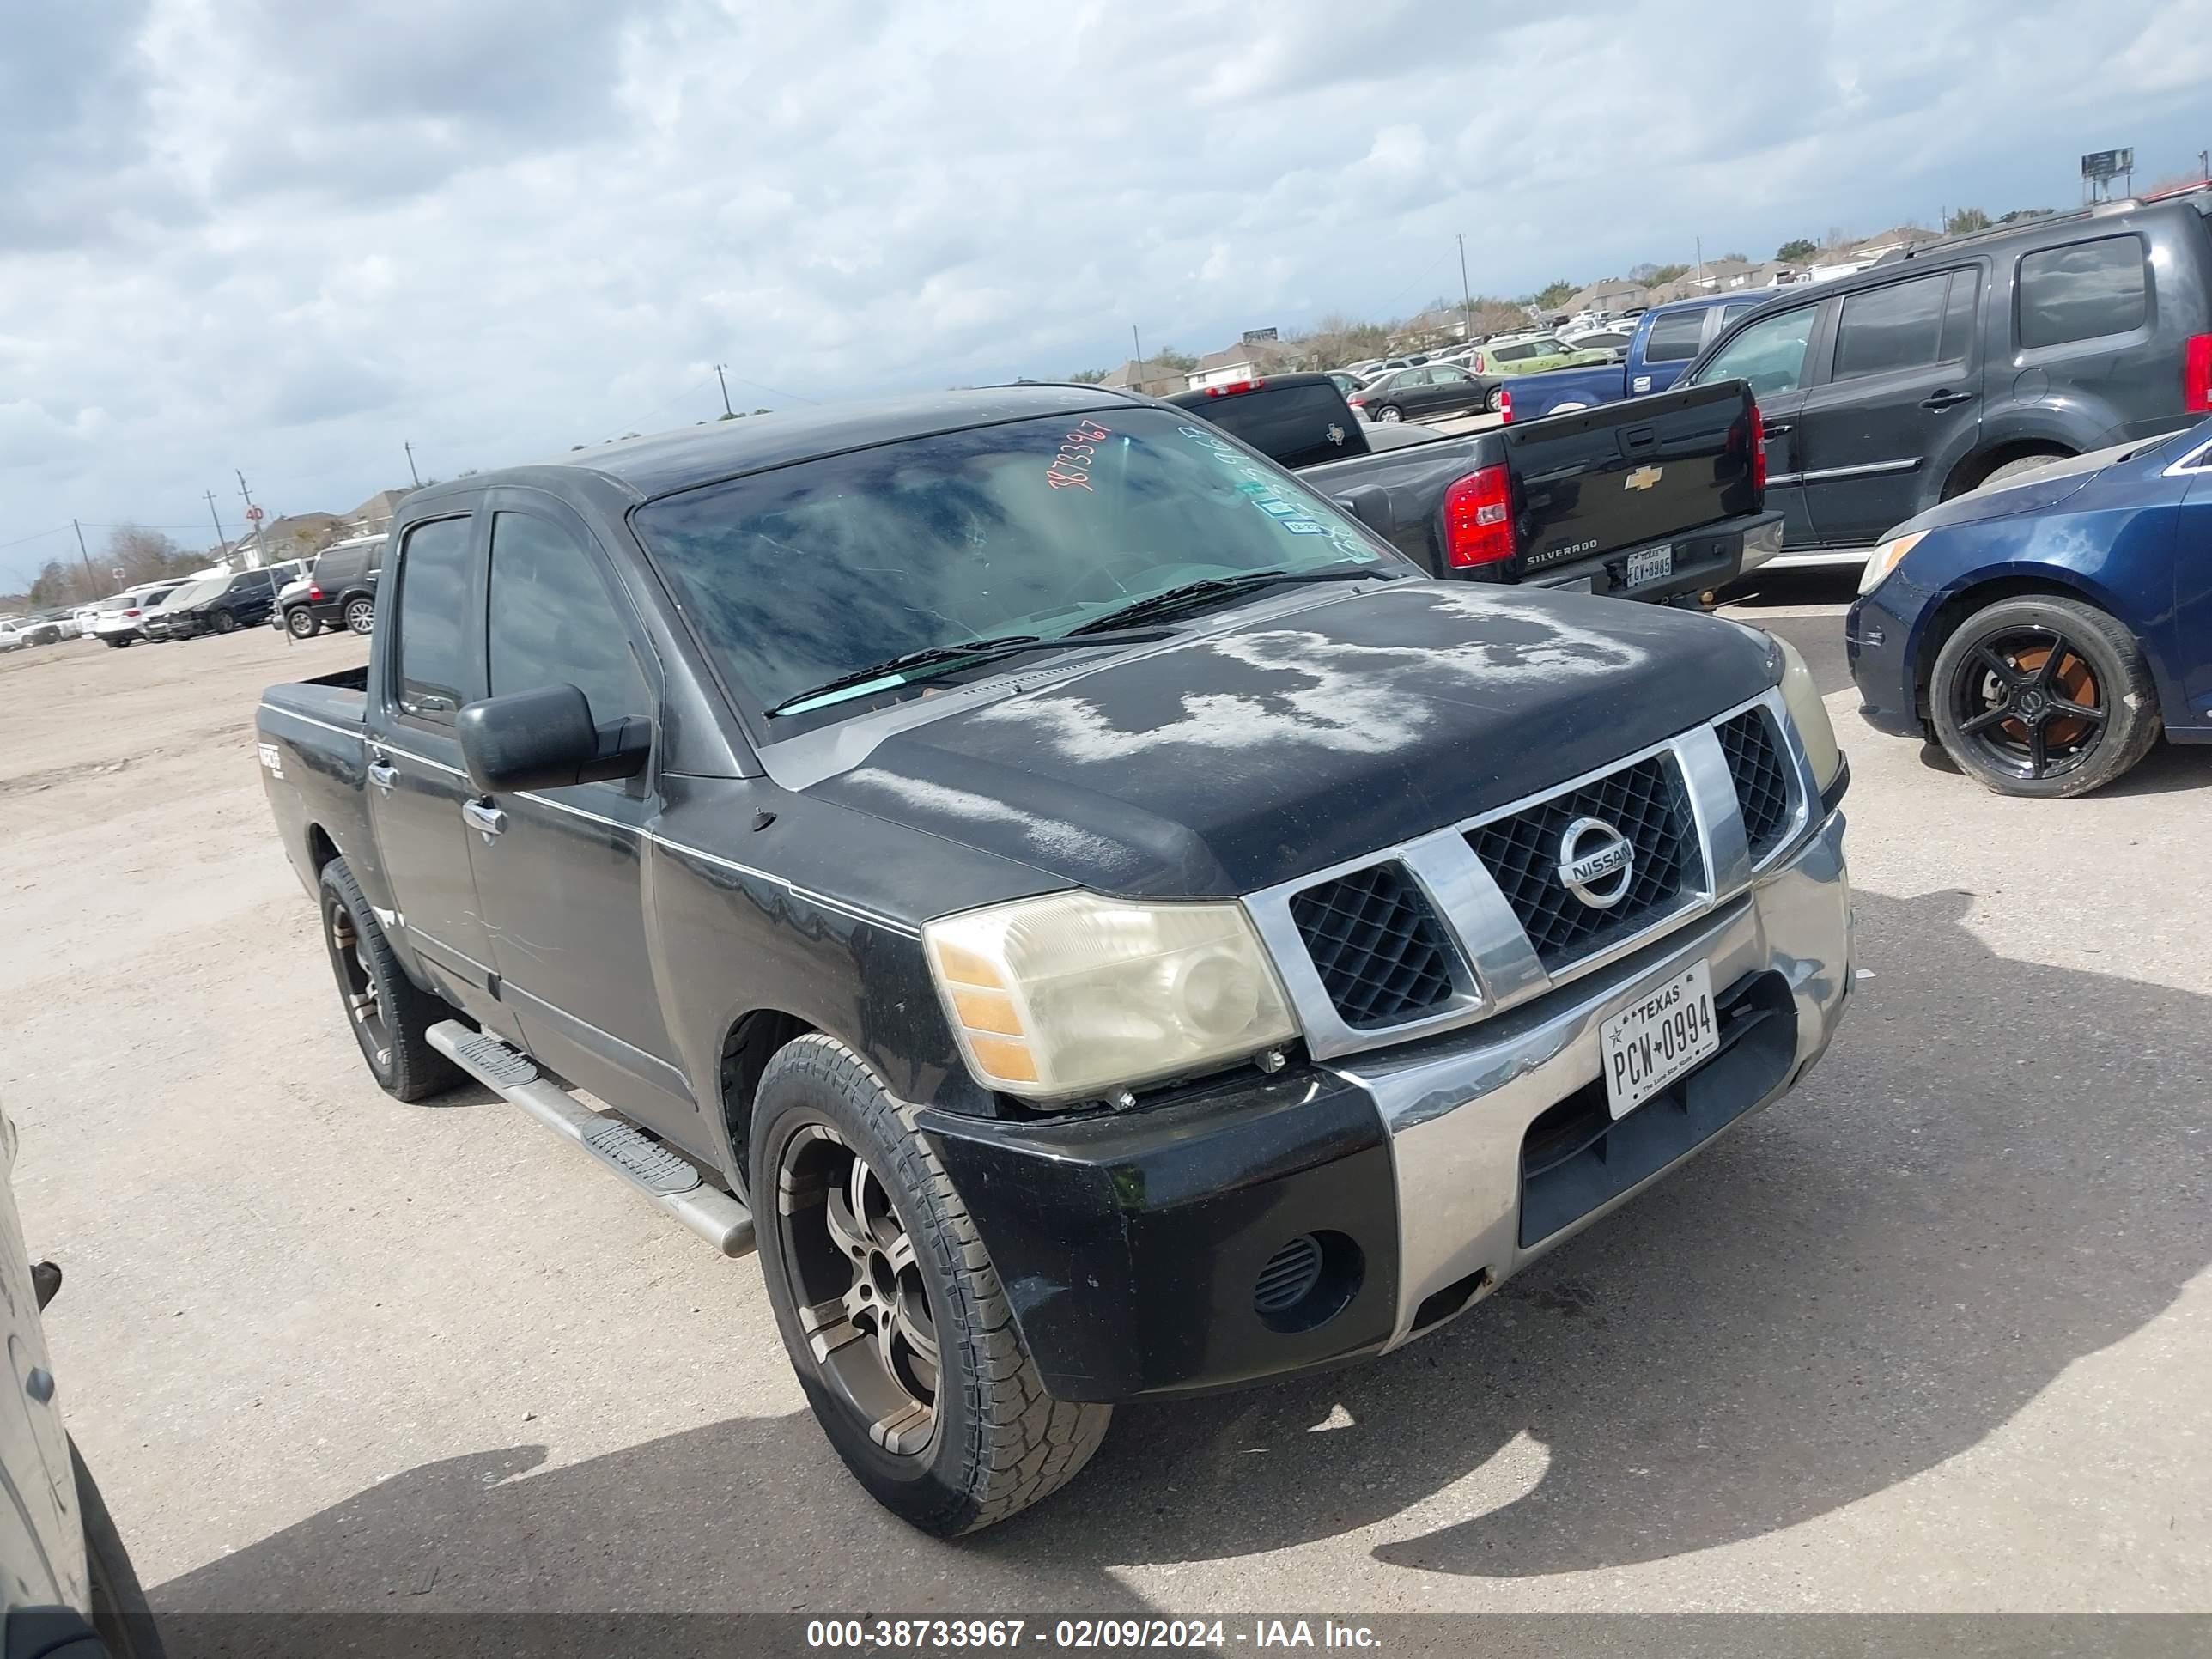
[(36, 535)]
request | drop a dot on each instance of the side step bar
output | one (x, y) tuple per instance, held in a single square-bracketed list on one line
[(664, 1176)]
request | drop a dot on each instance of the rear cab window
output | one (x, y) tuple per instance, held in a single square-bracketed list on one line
[(1292, 424), (1674, 337), (2084, 291)]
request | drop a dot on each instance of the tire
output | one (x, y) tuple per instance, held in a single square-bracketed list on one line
[(1389, 414), (119, 1614), (2000, 692), (989, 1442), (223, 621), (393, 1024), (359, 616), (1496, 400), (2018, 469), (299, 623), (120, 641)]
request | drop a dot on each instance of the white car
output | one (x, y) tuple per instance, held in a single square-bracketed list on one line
[(118, 621), (11, 637)]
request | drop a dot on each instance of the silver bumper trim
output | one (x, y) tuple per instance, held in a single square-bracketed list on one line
[(1457, 1118)]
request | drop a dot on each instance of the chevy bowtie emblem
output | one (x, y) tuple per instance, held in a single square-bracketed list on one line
[(1644, 476)]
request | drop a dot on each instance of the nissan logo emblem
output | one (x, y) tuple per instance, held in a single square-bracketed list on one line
[(1597, 863)]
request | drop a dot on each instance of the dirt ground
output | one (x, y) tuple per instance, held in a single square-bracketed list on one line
[(1934, 1335)]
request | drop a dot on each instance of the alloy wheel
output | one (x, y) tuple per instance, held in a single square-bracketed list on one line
[(2029, 700), (862, 1304), (364, 998), (361, 615)]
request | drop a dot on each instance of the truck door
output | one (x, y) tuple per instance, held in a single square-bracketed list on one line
[(427, 665), (1900, 407), (563, 873), (1773, 355)]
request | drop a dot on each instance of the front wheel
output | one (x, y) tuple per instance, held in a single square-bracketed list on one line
[(1389, 414), (361, 615), (119, 1614), (890, 1309), (299, 623), (2043, 697), (391, 1015), (223, 621)]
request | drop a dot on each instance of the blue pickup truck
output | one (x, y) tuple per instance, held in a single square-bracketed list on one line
[(1667, 338)]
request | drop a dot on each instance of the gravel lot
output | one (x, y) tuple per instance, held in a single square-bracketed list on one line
[(1934, 1335)]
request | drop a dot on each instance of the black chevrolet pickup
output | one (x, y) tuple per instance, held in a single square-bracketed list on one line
[(1103, 923), (1662, 498)]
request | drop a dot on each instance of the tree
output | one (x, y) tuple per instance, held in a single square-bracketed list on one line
[(1552, 295), (2018, 214), (1740, 259), (1088, 376), (141, 555), (1967, 219), (1168, 357), (1796, 250)]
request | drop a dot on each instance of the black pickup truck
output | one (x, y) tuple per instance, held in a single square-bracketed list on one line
[(1662, 498), (1101, 921)]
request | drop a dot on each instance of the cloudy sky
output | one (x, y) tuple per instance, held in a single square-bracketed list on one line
[(285, 235)]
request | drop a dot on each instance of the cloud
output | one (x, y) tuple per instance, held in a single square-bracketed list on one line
[(285, 237)]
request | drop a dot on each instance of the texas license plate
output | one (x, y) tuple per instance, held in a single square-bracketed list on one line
[(1649, 1046), (1652, 565)]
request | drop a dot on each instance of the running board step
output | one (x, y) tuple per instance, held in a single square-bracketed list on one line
[(661, 1174)]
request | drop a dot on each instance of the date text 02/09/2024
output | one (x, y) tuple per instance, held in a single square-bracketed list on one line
[(937, 1635)]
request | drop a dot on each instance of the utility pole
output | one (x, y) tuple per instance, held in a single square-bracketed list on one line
[(253, 517), (1700, 242), (725, 385), (409, 446), (2204, 164), (90, 579), (1139, 346), (216, 521), (1466, 295)]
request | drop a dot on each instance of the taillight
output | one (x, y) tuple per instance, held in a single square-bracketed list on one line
[(1505, 405), (1358, 400), (1479, 518), (1759, 451), (2196, 374), (315, 594), (130, 613), (1233, 387)]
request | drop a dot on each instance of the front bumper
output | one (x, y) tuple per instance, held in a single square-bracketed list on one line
[(1431, 1172), (1878, 645)]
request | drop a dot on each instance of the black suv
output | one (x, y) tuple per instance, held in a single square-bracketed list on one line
[(246, 597), (1973, 358), (342, 593)]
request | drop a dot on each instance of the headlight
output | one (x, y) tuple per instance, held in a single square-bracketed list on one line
[(1810, 715), (1883, 559), (1074, 994)]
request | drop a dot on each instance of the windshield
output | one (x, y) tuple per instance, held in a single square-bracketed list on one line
[(797, 576)]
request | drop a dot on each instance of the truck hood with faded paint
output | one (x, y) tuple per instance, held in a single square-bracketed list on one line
[(1250, 755)]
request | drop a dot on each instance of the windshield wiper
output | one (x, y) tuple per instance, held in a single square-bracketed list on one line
[(933, 656), (1185, 594)]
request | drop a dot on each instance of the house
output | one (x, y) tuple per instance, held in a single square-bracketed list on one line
[(1871, 248), (1154, 379), (1725, 275), (1245, 361), (1608, 298), (293, 536), (374, 513)]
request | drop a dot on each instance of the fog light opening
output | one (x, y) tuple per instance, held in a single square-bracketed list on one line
[(1309, 1280), (1454, 1300)]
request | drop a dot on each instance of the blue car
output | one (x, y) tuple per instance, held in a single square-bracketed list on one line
[(2046, 631)]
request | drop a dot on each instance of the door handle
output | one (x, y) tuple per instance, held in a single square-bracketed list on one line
[(1939, 401), (1775, 428), (483, 818), (383, 774)]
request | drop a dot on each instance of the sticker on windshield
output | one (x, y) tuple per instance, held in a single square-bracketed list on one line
[(1276, 507), (1301, 526), (1071, 468)]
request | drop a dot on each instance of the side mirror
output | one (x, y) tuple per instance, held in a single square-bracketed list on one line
[(544, 738)]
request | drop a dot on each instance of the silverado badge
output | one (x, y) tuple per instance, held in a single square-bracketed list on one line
[(1644, 476)]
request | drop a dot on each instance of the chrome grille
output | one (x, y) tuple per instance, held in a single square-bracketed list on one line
[(1762, 786), (1646, 803), (1376, 944)]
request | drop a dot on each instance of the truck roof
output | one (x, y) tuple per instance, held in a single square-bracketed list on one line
[(664, 463)]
